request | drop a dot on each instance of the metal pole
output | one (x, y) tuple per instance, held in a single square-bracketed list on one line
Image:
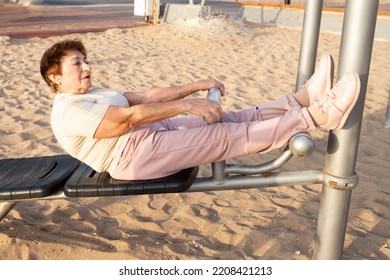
[(387, 120), (309, 41), (355, 55)]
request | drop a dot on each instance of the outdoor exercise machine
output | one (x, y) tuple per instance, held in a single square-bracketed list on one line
[(63, 177)]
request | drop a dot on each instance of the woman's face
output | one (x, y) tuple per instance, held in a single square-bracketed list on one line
[(76, 73)]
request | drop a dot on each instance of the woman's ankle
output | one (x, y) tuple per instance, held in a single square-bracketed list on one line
[(318, 115), (302, 98)]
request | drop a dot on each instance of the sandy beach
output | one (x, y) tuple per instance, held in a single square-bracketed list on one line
[(257, 64)]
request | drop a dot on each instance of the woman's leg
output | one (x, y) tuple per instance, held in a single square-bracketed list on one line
[(154, 152), (262, 112)]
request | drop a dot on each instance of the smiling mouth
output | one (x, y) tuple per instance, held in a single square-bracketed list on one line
[(86, 77)]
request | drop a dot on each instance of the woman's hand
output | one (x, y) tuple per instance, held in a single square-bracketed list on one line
[(210, 110)]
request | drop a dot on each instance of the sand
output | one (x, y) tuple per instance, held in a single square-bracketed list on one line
[(257, 64)]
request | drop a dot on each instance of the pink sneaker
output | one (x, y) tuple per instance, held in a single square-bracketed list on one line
[(321, 81), (339, 101)]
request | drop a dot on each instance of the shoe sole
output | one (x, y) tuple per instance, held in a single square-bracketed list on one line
[(355, 98), (329, 79)]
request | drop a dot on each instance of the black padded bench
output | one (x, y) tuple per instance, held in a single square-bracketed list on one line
[(62, 176), (85, 182), (32, 178)]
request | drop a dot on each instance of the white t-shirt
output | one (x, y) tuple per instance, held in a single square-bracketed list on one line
[(74, 120)]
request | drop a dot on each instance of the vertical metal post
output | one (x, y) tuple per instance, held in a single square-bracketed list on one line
[(387, 120), (355, 55), (309, 41)]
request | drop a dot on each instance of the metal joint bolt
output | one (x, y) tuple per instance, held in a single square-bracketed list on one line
[(340, 183)]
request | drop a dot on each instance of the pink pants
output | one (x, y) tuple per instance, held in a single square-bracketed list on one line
[(168, 146)]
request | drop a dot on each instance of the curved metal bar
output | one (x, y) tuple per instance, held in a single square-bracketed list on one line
[(299, 145), (261, 168)]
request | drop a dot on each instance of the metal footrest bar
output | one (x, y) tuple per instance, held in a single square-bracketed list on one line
[(301, 144), (274, 179)]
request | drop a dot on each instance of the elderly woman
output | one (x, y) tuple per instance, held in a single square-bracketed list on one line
[(133, 135)]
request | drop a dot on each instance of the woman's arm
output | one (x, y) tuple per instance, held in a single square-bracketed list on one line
[(165, 94), (119, 120)]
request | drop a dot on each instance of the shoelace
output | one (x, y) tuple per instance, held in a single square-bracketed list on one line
[(330, 96)]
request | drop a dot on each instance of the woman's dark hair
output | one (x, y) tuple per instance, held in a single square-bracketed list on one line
[(51, 59)]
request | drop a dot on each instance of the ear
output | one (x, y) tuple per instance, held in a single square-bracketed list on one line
[(55, 79)]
